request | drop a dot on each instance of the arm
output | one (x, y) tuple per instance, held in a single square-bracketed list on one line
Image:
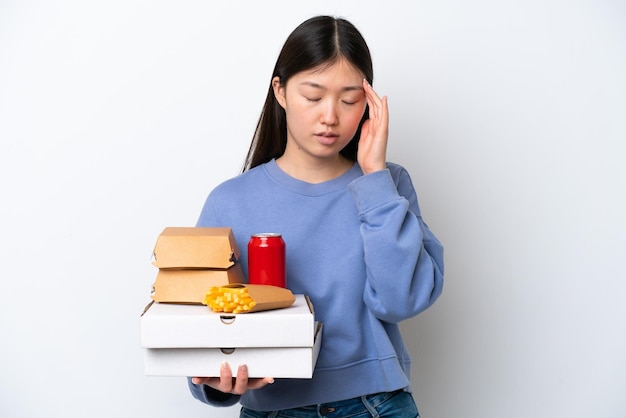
[(404, 260), (211, 396), (224, 390)]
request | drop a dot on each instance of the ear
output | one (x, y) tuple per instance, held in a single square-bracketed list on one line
[(279, 92)]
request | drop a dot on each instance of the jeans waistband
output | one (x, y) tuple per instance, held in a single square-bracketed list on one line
[(372, 400), (367, 404)]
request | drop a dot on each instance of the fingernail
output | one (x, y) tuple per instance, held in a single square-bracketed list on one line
[(243, 367), (224, 366)]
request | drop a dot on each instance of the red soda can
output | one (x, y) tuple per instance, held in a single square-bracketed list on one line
[(266, 260)]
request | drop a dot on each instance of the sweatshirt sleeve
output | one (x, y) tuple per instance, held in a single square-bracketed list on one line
[(212, 396), (205, 393), (403, 258)]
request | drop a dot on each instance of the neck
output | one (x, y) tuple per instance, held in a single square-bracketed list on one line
[(314, 170)]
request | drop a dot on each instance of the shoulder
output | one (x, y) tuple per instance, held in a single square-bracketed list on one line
[(241, 183), (231, 197)]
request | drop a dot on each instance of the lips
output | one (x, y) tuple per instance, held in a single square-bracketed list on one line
[(327, 134), (327, 137)]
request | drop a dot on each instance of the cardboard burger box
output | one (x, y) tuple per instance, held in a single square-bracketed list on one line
[(193, 259), (192, 340)]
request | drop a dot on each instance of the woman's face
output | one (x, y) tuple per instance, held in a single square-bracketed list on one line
[(323, 107)]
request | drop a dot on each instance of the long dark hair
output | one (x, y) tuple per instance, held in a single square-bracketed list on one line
[(318, 41)]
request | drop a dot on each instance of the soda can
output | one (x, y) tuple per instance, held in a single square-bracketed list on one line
[(266, 260)]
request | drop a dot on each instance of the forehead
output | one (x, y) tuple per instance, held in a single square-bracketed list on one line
[(340, 72)]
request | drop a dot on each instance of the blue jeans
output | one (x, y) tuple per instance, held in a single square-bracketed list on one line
[(398, 404)]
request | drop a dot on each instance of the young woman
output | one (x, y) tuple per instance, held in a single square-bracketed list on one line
[(356, 243)]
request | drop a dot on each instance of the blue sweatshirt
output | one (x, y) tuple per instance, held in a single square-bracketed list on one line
[(358, 247)]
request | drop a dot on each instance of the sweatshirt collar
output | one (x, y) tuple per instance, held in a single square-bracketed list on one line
[(311, 189)]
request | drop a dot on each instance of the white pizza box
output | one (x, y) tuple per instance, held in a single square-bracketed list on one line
[(277, 362), (168, 325)]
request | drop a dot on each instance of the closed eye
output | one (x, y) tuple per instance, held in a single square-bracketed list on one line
[(312, 99)]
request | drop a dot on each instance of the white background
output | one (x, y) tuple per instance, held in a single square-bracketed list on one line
[(118, 117)]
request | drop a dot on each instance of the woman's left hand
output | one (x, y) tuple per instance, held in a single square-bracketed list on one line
[(372, 151)]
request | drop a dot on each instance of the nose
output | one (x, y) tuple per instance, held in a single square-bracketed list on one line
[(329, 114)]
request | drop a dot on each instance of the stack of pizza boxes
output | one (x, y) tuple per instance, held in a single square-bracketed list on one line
[(181, 336)]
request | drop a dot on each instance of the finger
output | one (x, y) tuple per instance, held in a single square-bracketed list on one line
[(379, 113), (365, 128), (199, 380), (368, 98), (373, 100), (385, 109), (259, 383), (213, 382), (367, 89), (226, 378), (241, 383), (378, 104)]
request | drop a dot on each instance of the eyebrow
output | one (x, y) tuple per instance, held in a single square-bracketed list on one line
[(319, 86)]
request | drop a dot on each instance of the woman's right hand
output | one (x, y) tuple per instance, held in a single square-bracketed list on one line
[(227, 384), (372, 150)]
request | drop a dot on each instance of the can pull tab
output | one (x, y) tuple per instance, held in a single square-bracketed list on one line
[(227, 319)]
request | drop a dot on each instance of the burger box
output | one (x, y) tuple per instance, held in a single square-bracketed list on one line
[(190, 285), (192, 340), (195, 247), (193, 259)]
